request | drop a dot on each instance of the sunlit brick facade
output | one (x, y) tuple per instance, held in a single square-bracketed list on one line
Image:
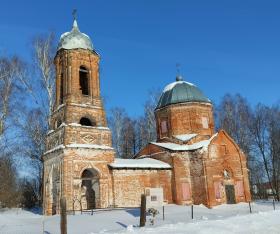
[(189, 161)]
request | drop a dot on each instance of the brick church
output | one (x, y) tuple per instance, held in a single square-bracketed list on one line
[(192, 163)]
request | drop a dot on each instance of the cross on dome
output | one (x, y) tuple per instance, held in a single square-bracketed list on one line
[(179, 77), (74, 13), (75, 39)]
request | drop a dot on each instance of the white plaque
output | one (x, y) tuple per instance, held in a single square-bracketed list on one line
[(154, 197)]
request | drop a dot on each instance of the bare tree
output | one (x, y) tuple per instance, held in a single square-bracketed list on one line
[(116, 120), (28, 191), (149, 114), (43, 55), (274, 146), (146, 125), (35, 118), (9, 195), (234, 114), (34, 147), (130, 135), (264, 130), (10, 72), (129, 138)]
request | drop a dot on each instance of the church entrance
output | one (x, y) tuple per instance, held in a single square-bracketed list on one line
[(230, 193), (90, 188)]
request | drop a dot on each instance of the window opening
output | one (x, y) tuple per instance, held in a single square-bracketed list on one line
[(85, 121), (83, 74)]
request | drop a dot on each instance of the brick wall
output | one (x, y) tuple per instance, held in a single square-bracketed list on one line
[(185, 118), (128, 185)]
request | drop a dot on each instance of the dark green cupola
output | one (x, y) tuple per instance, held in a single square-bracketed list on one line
[(181, 91)]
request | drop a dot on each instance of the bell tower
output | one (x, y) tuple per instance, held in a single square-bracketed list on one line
[(77, 78), (79, 145)]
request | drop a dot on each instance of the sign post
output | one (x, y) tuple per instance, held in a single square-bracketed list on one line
[(154, 199), (143, 211), (63, 216)]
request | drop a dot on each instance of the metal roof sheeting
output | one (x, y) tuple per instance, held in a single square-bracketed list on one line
[(179, 92), (75, 39)]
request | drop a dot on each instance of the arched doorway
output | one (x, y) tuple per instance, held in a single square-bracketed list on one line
[(90, 185), (229, 187)]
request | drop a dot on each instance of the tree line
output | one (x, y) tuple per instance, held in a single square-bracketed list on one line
[(27, 91), (129, 135), (26, 101)]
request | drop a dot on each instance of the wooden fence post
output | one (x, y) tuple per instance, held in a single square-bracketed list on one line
[(63, 216), (192, 211), (73, 207), (273, 202), (143, 211), (250, 207)]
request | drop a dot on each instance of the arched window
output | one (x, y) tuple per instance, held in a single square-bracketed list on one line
[(85, 121), (84, 78), (204, 121)]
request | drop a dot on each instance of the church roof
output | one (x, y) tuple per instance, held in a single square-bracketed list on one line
[(177, 147), (179, 92), (185, 137), (75, 39), (143, 163)]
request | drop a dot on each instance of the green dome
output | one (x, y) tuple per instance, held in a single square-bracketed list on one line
[(180, 92)]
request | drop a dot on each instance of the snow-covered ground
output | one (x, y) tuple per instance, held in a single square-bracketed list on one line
[(222, 219)]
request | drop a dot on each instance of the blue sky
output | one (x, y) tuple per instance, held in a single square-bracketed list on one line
[(222, 46)]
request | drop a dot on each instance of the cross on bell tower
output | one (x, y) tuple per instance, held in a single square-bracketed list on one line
[(74, 13)]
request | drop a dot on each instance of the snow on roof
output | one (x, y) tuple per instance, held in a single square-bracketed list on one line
[(54, 149), (89, 146), (176, 147), (86, 105), (84, 126), (75, 124), (139, 163), (75, 39), (58, 108), (185, 137), (171, 85), (50, 131)]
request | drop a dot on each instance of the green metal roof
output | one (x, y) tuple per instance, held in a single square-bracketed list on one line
[(179, 92)]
